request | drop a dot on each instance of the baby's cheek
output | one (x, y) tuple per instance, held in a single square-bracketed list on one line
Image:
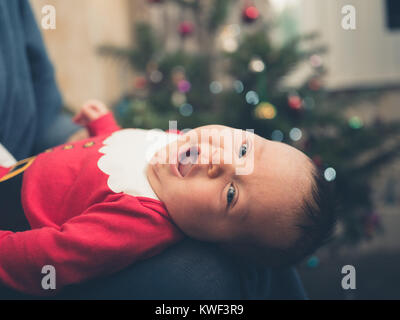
[(200, 195)]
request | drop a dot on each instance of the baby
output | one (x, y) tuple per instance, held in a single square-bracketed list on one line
[(93, 207)]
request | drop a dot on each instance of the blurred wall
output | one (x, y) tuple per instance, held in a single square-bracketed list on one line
[(81, 27), (366, 56)]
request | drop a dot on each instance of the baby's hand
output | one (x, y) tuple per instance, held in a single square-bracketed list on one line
[(90, 111)]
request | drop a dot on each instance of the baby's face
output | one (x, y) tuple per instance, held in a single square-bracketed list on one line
[(243, 187)]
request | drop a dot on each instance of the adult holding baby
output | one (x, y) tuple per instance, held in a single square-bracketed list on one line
[(31, 121)]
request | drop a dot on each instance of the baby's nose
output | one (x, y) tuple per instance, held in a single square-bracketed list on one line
[(214, 171)]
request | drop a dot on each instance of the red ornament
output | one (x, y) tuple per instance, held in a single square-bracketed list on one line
[(250, 14), (295, 102), (155, 1), (186, 28), (140, 82)]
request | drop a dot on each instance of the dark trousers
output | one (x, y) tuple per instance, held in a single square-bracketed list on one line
[(12, 217)]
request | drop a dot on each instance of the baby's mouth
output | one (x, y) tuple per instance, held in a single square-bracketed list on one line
[(187, 159)]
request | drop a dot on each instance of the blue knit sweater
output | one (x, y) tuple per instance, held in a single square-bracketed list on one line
[(29, 97)]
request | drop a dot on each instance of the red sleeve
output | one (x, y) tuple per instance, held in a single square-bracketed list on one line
[(103, 125), (104, 239)]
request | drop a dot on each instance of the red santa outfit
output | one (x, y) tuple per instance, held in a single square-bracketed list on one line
[(84, 220)]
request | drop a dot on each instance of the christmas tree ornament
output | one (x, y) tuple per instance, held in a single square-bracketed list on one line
[(277, 135), (178, 98), (252, 97), (140, 82), (155, 1), (186, 109), (156, 76), (230, 44), (238, 86), (313, 262), (265, 110), (216, 87), (295, 102), (316, 61), (184, 86), (186, 28), (250, 14), (330, 174), (228, 38), (355, 123), (256, 65), (295, 134), (308, 103)]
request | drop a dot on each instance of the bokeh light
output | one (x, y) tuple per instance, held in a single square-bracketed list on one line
[(256, 65), (277, 135), (316, 60), (238, 86), (295, 134), (265, 110), (313, 262), (216, 87), (186, 109), (330, 174), (184, 86), (230, 44), (251, 12), (309, 103), (156, 76), (178, 98), (252, 97), (355, 123)]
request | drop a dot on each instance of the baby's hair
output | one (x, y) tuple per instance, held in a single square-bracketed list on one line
[(318, 215), (316, 222)]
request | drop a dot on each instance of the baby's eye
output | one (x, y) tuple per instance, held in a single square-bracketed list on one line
[(231, 194), (242, 150)]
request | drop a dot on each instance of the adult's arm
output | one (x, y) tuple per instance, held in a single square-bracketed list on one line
[(192, 270), (30, 102), (187, 270)]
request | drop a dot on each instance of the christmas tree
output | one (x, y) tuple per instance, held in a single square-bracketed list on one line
[(235, 74)]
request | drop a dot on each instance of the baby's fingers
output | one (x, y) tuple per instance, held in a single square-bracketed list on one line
[(79, 118), (94, 109)]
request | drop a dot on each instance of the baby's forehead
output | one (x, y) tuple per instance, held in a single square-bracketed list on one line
[(280, 171), (275, 196)]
